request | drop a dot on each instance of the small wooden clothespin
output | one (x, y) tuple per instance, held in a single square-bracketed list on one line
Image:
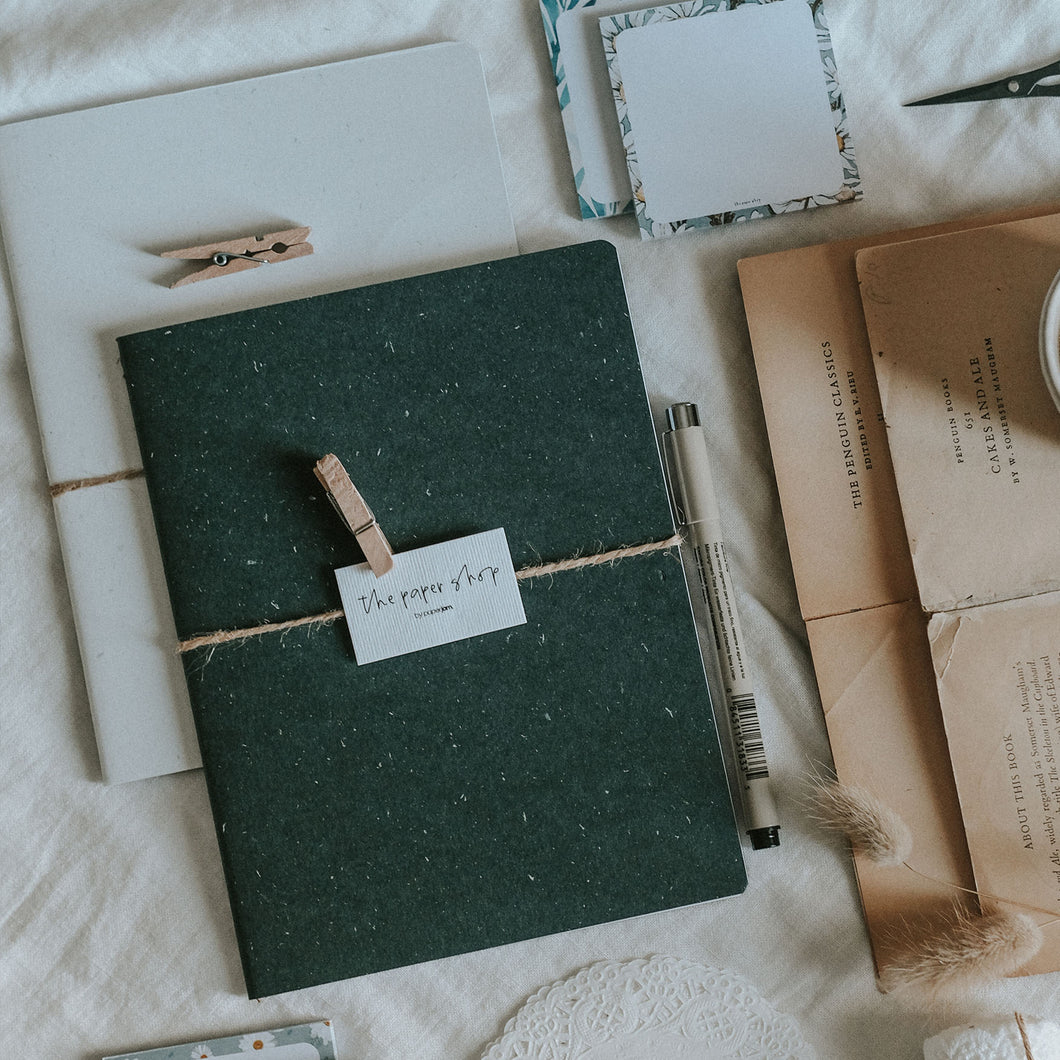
[(235, 255), (355, 513)]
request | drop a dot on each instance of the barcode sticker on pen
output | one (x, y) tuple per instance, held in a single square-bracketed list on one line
[(751, 743)]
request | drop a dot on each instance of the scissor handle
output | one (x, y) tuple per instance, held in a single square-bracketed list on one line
[(1042, 82)]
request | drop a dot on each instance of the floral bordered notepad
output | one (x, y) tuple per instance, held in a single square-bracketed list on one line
[(729, 110), (306, 1041), (597, 156)]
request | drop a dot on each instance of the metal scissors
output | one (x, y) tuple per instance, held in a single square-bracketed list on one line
[(1045, 81)]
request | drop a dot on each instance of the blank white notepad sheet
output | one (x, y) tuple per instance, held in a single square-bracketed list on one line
[(726, 110)]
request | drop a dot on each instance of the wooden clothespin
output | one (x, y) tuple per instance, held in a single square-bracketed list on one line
[(235, 255), (355, 513)]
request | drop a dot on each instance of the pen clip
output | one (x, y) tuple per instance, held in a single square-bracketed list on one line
[(671, 478)]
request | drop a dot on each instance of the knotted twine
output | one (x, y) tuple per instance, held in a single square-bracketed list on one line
[(204, 640), (225, 636)]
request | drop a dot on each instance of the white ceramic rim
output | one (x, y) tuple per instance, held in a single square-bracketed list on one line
[(1049, 340)]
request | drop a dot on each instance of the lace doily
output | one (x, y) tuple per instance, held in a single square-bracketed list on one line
[(646, 1010)]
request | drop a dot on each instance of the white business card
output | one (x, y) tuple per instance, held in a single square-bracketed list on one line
[(433, 595)]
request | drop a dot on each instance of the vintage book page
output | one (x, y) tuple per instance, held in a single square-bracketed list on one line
[(878, 692), (852, 564), (973, 431), (975, 442), (826, 430), (998, 672)]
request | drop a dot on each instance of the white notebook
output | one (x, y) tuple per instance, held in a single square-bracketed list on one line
[(393, 162)]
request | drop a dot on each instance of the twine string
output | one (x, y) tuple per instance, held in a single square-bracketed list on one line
[(226, 636), (57, 489), (597, 559), (1024, 1038)]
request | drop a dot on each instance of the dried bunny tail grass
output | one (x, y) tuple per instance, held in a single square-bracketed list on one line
[(872, 827), (963, 950), (950, 953)]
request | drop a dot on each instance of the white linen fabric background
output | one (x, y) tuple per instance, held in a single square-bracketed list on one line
[(115, 931)]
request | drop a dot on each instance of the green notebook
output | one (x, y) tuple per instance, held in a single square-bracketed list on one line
[(552, 775)]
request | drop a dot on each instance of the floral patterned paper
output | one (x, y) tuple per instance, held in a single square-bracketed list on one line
[(590, 207), (319, 1036)]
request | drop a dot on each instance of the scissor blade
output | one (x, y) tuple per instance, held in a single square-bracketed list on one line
[(1040, 82)]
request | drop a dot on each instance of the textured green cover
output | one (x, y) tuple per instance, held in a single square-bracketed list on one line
[(553, 775)]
